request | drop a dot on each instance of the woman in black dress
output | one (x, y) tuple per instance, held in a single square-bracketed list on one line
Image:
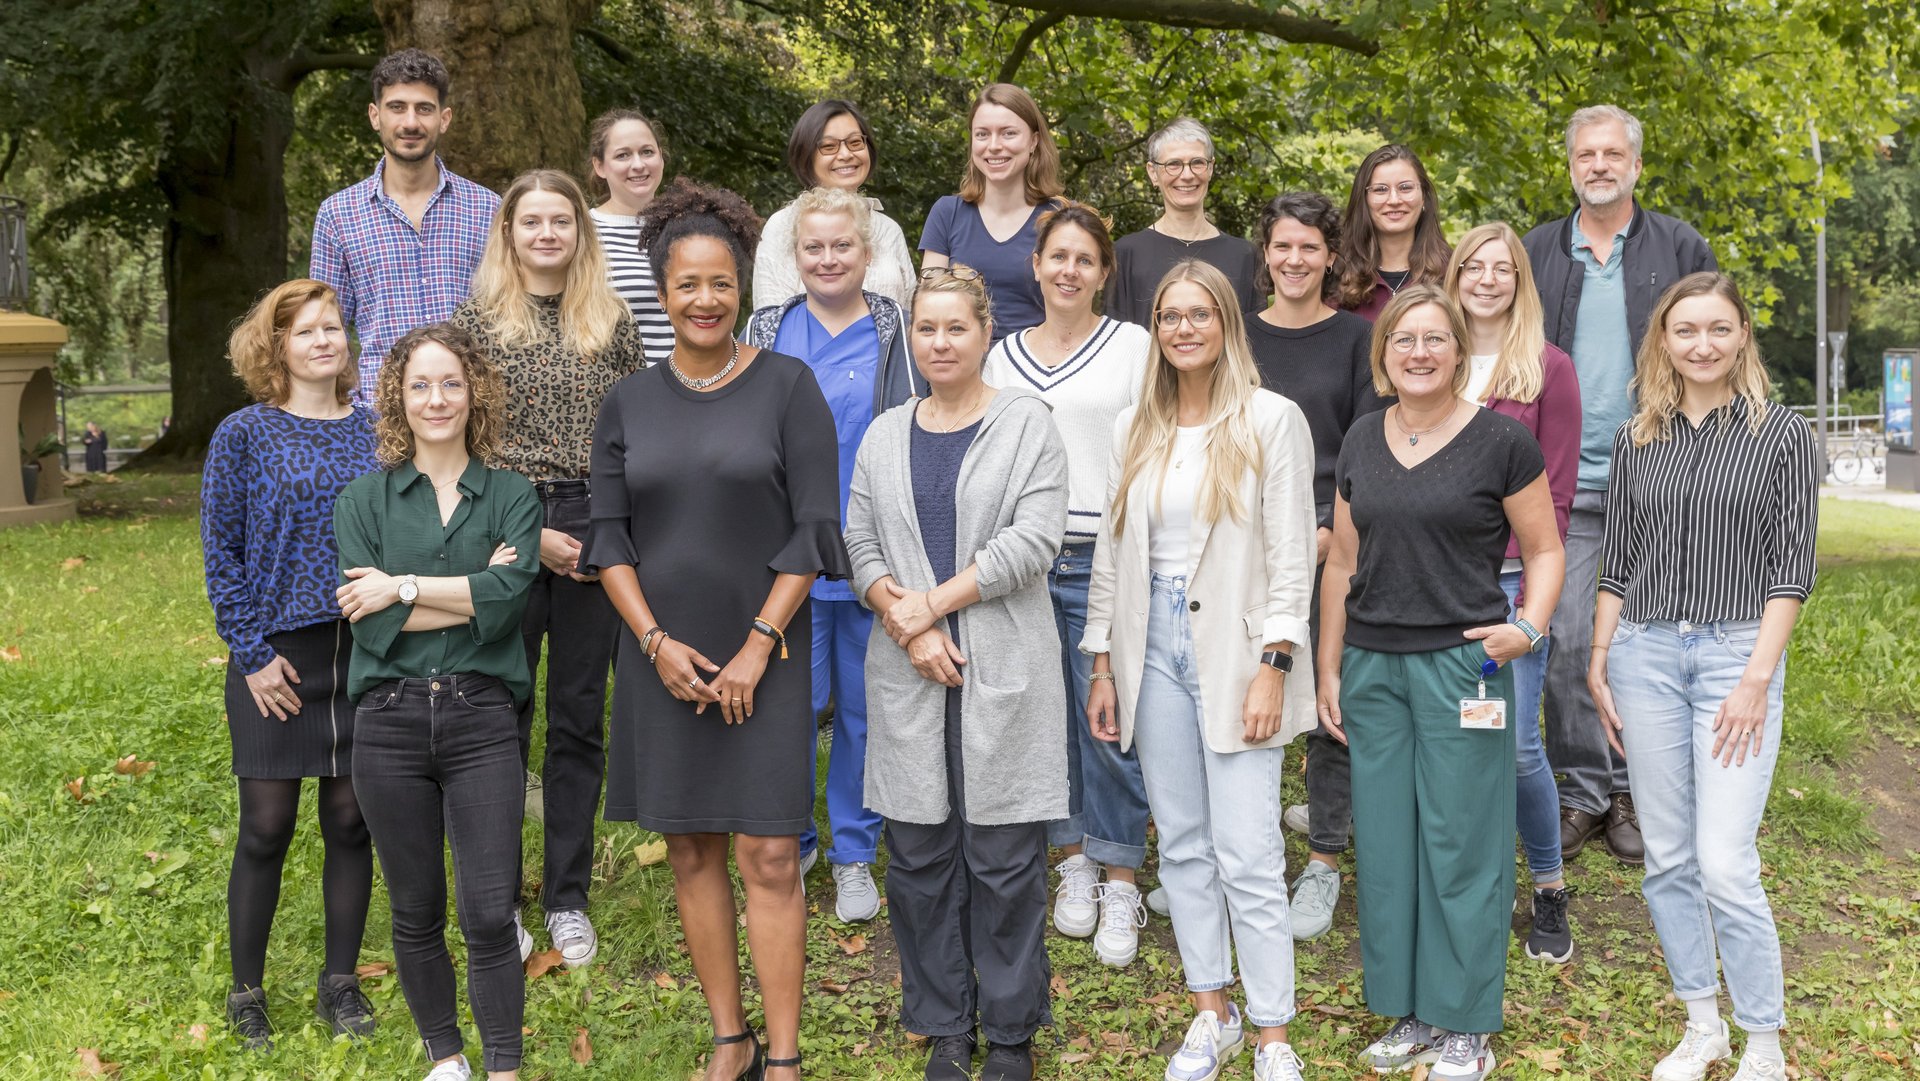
[(716, 503)]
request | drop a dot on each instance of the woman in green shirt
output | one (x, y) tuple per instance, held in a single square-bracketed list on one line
[(435, 584)]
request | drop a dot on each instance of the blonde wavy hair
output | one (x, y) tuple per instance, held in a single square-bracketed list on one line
[(835, 201), (257, 348), (1519, 371), (1043, 164), (1414, 296), (486, 395), (1232, 447), (947, 279), (590, 311), (1656, 384)]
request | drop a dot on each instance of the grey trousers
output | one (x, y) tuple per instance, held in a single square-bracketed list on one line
[(1576, 744), (968, 906)]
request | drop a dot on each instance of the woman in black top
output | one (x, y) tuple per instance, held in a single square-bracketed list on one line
[(1708, 558), (1412, 631), (716, 503), (1390, 234)]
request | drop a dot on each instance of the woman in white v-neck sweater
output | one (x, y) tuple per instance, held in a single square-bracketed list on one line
[(1088, 368)]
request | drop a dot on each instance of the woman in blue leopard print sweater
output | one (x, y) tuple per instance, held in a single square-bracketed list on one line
[(266, 523)]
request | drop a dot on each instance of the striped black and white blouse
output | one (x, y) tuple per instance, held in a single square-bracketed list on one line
[(1714, 521), (631, 274)]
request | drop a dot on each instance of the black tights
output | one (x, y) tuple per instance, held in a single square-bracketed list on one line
[(268, 812)]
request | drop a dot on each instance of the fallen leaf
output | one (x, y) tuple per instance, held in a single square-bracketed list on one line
[(212, 661), (373, 970), (582, 1049), (665, 981), (542, 963), (852, 944), (154, 857), (1059, 985), (1420, 1072), (91, 1066), (1075, 1058), (197, 1032), (77, 788), (832, 988), (650, 853), (73, 563), (9, 653), (1548, 1059)]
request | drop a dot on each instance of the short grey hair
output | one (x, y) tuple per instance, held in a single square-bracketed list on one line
[(1601, 114), (1183, 130)]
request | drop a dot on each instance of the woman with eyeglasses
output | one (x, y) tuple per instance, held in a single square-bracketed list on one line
[(436, 560), (1415, 675), (1195, 616), (1514, 370), (1180, 164), (627, 159), (831, 147), (1390, 235), (1012, 177)]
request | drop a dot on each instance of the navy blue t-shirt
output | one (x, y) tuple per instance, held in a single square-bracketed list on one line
[(955, 229)]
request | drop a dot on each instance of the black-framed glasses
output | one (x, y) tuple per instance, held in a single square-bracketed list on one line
[(1201, 316), (830, 148), (959, 271), (1196, 166)]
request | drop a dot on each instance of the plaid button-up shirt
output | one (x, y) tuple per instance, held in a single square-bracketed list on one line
[(392, 277)]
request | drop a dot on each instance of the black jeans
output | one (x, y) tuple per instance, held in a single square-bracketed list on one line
[(1329, 772), (580, 626), (968, 906), (435, 763)]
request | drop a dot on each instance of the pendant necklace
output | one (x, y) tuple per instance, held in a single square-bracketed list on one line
[(702, 384), (1413, 437)]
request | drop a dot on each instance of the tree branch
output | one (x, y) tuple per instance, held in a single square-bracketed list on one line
[(1211, 15), (287, 73), (1023, 44), (14, 139), (610, 45)]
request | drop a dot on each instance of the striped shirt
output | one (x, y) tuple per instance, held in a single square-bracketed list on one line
[(631, 274), (1715, 521), (391, 276)]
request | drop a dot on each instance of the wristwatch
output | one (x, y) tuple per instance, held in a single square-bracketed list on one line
[(409, 590), (1535, 640), (1277, 660)]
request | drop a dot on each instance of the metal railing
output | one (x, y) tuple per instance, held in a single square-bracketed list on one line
[(14, 280)]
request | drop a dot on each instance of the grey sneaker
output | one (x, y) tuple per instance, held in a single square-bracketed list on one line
[(1295, 818), (856, 899), (1076, 907), (806, 864), (1464, 1056), (573, 936), (1315, 894), (525, 940), (536, 802), (1208, 1046), (1700, 1047), (1408, 1043), (341, 1003), (1157, 901), (1277, 1062)]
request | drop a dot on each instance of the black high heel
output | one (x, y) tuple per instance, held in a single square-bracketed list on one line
[(757, 1067), (773, 1063)]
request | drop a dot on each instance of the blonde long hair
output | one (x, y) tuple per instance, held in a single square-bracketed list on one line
[(1656, 385), (1519, 371), (590, 311), (1232, 447)]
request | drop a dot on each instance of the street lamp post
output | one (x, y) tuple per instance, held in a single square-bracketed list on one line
[(1820, 301)]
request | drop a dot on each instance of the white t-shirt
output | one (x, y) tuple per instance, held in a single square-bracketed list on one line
[(1170, 519), (1480, 377)]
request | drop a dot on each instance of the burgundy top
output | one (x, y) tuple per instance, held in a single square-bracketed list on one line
[(1554, 420)]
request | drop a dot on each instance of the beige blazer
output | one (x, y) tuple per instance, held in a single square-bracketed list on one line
[(1248, 583)]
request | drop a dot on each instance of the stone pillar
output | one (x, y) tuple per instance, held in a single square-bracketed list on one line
[(28, 412)]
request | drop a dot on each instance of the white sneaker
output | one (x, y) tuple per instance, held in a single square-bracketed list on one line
[(1464, 1056), (1700, 1047), (1312, 900), (806, 864), (535, 806), (1277, 1062), (1208, 1046), (1755, 1068), (454, 1069), (1076, 909), (573, 936), (526, 943), (856, 899), (1295, 818), (1157, 901), (1122, 915)]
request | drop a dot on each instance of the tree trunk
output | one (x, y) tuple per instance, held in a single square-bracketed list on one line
[(516, 92)]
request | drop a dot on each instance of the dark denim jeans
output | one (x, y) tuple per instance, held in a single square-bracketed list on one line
[(436, 764)]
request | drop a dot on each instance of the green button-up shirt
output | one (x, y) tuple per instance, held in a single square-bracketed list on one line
[(391, 520)]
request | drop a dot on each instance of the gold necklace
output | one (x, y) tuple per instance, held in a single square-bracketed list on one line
[(949, 429)]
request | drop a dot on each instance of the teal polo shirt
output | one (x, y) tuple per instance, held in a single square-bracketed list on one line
[(1602, 355)]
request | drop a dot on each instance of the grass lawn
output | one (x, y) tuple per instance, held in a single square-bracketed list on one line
[(112, 884)]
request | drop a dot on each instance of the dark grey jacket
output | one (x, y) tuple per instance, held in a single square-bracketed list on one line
[(1659, 251), (893, 383)]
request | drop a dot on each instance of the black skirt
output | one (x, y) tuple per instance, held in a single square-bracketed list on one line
[(318, 740)]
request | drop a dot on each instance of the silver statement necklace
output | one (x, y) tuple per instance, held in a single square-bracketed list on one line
[(702, 384)]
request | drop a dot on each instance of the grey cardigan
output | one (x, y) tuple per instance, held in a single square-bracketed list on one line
[(1011, 503)]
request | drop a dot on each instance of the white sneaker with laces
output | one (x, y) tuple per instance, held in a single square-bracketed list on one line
[(454, 1069), (1409, 1043), (1295, 818), (1277, 1062), (1122, 915), (573, 936), (856, 898), (1312, 900), (1076, 908), (1700, 1047), (525, 939), (1755, 1068), (1464, 1056), (1208, 1046)]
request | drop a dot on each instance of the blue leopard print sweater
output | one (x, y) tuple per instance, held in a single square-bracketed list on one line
[(266, 522)]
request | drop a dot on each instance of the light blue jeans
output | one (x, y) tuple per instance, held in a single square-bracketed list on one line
[(1107, 802), (1700, 819), (1223, 858), (1538, 806)]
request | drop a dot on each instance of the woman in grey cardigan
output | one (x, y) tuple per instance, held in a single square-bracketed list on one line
[(958, 505)]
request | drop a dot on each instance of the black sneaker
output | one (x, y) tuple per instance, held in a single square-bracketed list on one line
[(1008, 1062), (247, 1013), (342, 1004), (1551, 938), (951, 1058)]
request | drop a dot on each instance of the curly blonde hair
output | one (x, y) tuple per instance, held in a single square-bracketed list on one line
[(486, 395), (257, 348)]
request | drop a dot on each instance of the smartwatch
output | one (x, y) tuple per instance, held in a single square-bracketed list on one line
[(409, 590), (1277, 660), (1535, 640)]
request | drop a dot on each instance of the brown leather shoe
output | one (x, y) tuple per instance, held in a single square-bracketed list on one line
[(1623, 831), (1577, 827)]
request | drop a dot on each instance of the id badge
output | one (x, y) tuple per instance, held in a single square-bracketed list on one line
[(1487, 713)]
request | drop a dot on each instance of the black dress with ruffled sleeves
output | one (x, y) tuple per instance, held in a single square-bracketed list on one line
[(709, 495)]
